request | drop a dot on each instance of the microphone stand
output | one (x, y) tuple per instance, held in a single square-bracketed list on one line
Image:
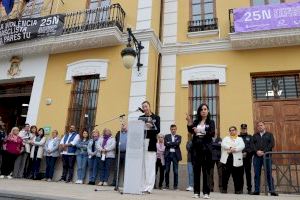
[(121, 117)]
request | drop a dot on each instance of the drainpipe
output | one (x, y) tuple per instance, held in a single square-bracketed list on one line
[(159, 61)]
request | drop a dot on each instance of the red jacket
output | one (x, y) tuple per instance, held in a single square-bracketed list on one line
[(13, 146)]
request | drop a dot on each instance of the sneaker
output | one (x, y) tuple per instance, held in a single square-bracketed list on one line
[(166, 188), (206, 196), (105, 184), (2, 177), (61, 180), (44, 179), (190, 188), (196, 196), (78, 182), (9, 177), (49, 180), (100, 183)]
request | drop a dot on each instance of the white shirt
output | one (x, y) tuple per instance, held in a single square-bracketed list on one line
[(173, 140), (74, 142)]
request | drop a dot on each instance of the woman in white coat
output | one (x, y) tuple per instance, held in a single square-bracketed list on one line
[(106, 146), (232, 160), (37, 152)]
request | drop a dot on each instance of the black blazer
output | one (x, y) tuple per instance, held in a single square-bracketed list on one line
[(152, 134), (176, 145)]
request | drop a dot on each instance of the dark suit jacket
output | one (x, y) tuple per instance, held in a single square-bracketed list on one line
[(176, 145), (264, 143)]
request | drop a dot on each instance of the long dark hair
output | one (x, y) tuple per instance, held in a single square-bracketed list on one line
[(41, 129), (199, 117)]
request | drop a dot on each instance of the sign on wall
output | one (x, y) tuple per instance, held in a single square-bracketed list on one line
[(18, 30), (260, 18)]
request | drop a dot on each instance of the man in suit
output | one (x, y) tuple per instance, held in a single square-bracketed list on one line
[(263, 141), (172, 154)]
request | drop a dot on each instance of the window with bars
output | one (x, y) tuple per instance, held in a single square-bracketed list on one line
[(265, 2), (93, 4), (83, 105), (33, 9), (276, 87), (203, 15), (99, 11), (205, 92)]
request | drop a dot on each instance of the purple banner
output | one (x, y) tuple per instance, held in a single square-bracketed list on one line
[(260, 18)]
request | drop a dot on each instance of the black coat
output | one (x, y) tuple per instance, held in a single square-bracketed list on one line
[(176, 145), (264, 143), (152, 134), (248, 140), (216, 149)]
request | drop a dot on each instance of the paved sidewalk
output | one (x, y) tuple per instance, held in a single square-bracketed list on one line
[(40, 190)]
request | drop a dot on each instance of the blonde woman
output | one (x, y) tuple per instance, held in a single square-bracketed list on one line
[(13, 146), (160, 158)]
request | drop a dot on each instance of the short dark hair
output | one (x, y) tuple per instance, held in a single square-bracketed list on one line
[(260, 121), (234, 127), (173, 125)]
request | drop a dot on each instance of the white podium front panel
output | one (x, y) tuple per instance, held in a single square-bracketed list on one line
[(134, 157)]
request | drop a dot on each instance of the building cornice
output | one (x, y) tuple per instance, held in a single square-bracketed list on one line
[(106, 37)]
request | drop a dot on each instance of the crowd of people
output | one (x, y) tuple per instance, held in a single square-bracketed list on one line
[(22, 153)]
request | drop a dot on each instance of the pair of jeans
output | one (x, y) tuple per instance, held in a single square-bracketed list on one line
[(36, 167), (50, 166), (161, 169), (82, 161), (93, 164), (68, 167), (257, 164), (105, 168), (190, 174), (171, 158)]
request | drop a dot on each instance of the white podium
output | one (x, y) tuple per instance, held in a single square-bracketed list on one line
[(133, 177)]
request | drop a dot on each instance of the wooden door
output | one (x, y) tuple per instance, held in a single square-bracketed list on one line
[(282, 118)]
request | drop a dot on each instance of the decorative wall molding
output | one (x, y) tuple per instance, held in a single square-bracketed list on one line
[(202, 33), (265, 39), (87, 67), (203, 72)]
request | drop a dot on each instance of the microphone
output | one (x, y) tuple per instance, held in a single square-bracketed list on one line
[(139, 109), (123, 115)]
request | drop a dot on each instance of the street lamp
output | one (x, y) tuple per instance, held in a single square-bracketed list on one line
[(129, 54)]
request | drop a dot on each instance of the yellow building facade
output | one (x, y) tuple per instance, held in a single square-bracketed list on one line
[(191, 55)]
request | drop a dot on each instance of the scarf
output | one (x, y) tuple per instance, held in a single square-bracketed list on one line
[(105, 138), (38, 138), (234, 136)]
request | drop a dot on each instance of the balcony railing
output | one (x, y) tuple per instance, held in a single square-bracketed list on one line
[(92, 19), (203, 25)]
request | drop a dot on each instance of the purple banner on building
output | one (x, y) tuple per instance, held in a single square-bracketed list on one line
[(261, 18)]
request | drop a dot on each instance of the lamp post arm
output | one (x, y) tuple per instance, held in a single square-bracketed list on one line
[(138, 46)]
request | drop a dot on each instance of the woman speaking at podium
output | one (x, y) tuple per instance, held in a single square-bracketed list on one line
[(152, 126)]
